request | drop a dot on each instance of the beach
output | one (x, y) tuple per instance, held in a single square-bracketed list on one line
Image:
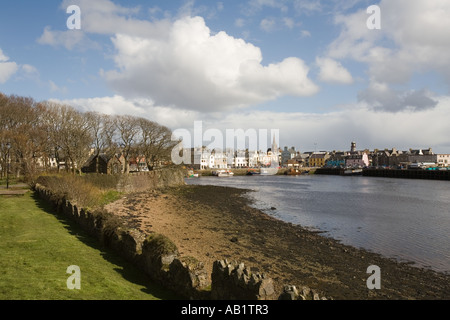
[(213, 223)]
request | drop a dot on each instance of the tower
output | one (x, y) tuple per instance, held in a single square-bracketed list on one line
[(353, 147), (274, 146)]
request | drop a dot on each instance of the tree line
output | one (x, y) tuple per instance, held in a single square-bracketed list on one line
[(32, 133)]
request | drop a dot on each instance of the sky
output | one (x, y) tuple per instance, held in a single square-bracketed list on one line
[(321, 73)]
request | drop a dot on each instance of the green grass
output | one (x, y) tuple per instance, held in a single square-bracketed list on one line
[(110, 196), (37, 246)]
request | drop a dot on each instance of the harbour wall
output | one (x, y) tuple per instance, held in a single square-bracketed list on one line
[(393, 173), (408, 174)]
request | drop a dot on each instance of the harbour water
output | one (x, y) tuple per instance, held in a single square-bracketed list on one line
[(408, 220)]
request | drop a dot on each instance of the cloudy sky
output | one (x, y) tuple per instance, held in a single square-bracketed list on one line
[(312, 69)]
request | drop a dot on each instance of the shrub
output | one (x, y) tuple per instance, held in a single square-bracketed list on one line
[(73, 188)]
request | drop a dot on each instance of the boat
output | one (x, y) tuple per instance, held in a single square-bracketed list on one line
[(353, 172), (293, 172), (192, 174), (223, 173)]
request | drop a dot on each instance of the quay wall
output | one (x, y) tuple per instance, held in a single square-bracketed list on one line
[(408, 174), (393, 173), (330, 171)]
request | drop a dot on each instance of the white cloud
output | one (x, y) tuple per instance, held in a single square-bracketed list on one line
[(267, 24), (418, 34), (70, 39), (193, 69), (378, 129), (332, 71), (380, 97), (3, 57), (255, 6), (305, 34), (288, 22), (181, 62), (141, 107), (414, 39), (54, 88), (7, 68), (370, 128), (29, 69), (239, 23), (101, 17), (307, 6)]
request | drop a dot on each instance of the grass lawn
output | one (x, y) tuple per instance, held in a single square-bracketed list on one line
[(37, 247)]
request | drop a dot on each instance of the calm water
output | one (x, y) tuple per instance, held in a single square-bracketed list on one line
[(404, 219)]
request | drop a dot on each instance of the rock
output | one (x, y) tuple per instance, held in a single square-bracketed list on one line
[(234, 239), (234, 281), (289, 293)]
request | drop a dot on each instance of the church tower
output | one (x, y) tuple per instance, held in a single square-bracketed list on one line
[(274, 146)]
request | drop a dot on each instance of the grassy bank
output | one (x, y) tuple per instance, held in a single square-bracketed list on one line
[(36, 247)]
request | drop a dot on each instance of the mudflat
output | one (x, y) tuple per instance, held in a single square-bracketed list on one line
[(212, 223)]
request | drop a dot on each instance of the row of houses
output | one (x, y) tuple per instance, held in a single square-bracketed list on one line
[(391, 158), (202, 158)]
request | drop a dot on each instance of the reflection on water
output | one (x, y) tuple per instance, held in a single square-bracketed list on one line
[(399, 218)]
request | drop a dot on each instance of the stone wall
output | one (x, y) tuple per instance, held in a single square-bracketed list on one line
[(142, 181), (159, 258), (234, 281)]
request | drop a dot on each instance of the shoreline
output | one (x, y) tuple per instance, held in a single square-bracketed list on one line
[(212, 223)]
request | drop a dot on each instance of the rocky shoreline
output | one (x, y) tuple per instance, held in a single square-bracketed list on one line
[(212, 223)]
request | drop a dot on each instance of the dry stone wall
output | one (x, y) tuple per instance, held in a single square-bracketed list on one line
[(234, 281)]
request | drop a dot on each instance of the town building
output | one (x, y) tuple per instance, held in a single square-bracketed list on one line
[(288, 154), (103, 164), (411, 156), (318, 159), (443, 160), (357, 160)]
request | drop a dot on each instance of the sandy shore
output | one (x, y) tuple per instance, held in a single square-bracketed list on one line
[(212, 223)]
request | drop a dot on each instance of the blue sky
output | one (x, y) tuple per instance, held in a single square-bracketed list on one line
[(310, 68)]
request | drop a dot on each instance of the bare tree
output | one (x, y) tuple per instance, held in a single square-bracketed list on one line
[(156, 144), (70, 134), (127, 130), (20, 128), (38, 132)]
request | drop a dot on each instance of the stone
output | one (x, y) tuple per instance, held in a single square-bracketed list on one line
[(289, 293)]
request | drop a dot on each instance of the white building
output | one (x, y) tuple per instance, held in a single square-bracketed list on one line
[(240, 160), (253, 159), (443, 160)]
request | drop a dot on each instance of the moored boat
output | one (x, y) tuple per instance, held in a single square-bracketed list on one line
[(353, 172)]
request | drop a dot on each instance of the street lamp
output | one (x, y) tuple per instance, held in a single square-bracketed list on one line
[(8, 147)]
